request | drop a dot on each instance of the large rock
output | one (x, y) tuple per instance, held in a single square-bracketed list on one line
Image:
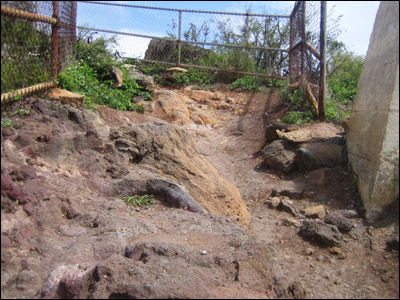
[(170, 106), (319, 231), (118, 77), (280, 156), (342, 223), (162, 50), (312, 156), (173, 194), (143, 80)]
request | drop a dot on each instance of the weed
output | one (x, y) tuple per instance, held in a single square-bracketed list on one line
[(144, 200), (7, 123)]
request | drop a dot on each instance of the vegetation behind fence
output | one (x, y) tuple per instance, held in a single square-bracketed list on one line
[(38, 37)]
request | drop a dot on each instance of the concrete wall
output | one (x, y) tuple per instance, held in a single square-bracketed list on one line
[(373, 137)]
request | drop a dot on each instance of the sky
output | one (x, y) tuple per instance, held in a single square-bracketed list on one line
[(355, 24)]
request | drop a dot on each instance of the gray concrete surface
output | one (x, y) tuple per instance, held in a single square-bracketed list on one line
[(373, 136)]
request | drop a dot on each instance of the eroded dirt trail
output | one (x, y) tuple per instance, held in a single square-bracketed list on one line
[(363, 268)]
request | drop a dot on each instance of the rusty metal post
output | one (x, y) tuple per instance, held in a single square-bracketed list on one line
[(303, 38), (322, 64), (291, 36), (178, 61), (55, 39)]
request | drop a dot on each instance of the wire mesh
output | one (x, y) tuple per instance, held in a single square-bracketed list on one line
[(305, 47), (28, 49), (256, 43)]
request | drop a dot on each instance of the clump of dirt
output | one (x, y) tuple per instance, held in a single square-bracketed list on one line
[(66, 233)]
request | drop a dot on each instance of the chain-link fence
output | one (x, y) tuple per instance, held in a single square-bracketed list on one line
[(307, 51), (37, 38), (243, 43)]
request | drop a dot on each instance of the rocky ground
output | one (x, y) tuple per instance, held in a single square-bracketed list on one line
[(223, 224)]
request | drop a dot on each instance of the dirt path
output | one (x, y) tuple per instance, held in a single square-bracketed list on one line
[(363, 270)]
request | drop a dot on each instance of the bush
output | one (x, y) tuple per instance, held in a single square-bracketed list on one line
[(80, 78), (91, 76), (194, 76), (246, 83), (343, 76)]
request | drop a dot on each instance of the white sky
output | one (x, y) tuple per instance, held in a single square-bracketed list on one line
[(357, 22)]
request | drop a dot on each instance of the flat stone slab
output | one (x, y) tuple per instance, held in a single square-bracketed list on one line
[(291, 189), (66, 97), (312, 133)]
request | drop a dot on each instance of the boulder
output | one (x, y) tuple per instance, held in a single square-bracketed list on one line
[(315, 212), (143, 80), (319, 231), (118, 77), (172, 193), (163, 50), (280, 156), (342, 223), (312, 156)]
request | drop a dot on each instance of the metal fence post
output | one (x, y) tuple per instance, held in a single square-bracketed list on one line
[(55, 39), (291, 36), (322, 65), (303, 39), (178, 61)]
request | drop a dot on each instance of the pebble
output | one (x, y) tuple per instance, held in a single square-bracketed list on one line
[(336, 251), (204, 252), (308, 251)]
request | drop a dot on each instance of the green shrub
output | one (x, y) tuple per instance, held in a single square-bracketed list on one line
[(194, 76), (91, 76), (246, 83), (97, 54), (336, 112), (152, 69), (293, 117), (80, 78)]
